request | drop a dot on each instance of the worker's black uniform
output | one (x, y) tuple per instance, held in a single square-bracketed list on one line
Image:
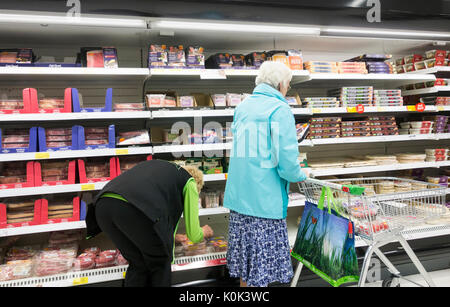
[(143, 227)]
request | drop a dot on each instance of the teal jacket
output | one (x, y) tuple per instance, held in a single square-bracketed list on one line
[(264, 155)]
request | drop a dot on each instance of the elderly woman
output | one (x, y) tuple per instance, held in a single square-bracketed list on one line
[(263, 161)]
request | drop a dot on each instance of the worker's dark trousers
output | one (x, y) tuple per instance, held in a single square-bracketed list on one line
[(133, 234)]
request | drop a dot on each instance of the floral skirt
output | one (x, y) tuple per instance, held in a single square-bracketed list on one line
[(258, 250)]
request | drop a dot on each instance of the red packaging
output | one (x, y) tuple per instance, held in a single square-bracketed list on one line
[(18, 107), (86, 170), (124, 163), (92, 250), (64, 107), (59, 177), (75, 209), (120, 260), (24, 171), (4, 216)]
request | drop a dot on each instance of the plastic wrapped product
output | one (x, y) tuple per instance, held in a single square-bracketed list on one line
[(20, 269), (83, 263), (176, 56), (220, 100), (186, 101), (139, 137), (51, 103)]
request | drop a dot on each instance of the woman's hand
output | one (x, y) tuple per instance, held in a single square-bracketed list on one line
[(207, 231)]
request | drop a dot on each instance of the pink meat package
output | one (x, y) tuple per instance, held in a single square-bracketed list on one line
[(92, 170), (54, 172)]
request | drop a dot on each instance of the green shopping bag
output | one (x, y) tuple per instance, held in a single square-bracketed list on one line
[(325, 242)]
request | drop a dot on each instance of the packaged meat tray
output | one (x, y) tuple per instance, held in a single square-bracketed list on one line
[(18, 140), (92, 170), (19, 212), (69, 135), (324, 120), (16, 175), (314, 130), (42, 104), (94, 137), (128, 107), (139, 137), (354, 123), (355, 134), (57, 172), (60, 209), (323, 136), (125, 163), (355, 129)]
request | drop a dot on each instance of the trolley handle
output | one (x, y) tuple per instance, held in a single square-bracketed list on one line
[(347, 188)]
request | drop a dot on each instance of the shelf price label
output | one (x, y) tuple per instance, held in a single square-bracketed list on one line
[(314, 111), (440, 108), (123, 151), (420, 107), (358, 109), (208, 74), (411, 108), (42, 155), (80, 281), (87, 187)]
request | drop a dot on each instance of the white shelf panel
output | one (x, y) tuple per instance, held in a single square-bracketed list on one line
[(16, 231), (428, 90), (372, 77), (214, 177), (192, 113), (187, 148), (40, 117), (43, 190), (72, 74), (66, 154), (372, 169), (386, 138), (433, 70)]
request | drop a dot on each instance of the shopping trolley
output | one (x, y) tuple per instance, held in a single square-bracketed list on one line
[(387, 206)]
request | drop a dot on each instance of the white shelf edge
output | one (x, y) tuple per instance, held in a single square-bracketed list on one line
[(16, 231), (68, 188), (74, 116), (387, 77), (27, 156), (187, 148), (432, 70)]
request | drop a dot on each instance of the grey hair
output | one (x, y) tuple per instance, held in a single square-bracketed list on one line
[(274, 73)]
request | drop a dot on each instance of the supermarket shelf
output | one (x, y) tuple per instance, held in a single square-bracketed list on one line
[(222, 210), (428, 90), (71, 279), (65, 154), (214, 177), (376, 80), (373, 169), (441, 71), (200, 261), (343, 110), (386, 138), (192, 113), (25, 230), (188, 148), (72, 74), (56, 189), (74, 116)]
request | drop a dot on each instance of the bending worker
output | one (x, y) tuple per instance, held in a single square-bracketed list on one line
[(140, 211)]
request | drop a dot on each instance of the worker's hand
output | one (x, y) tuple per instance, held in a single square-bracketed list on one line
[(207, 231), (180, 238)]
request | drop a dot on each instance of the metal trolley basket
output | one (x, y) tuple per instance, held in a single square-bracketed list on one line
[(386, 207)]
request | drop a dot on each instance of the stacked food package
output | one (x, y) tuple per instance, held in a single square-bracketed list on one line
[(383, 159), (96, 136), (59, 207), (128, 107), (51, 103), (325, 127), (417, 127), (15, 138), (410, 158), (161, 101), (436, 154), (20, 209), (429, 59), (442, 101), (351, 67), (383, 125), (321, 102), (321, 67), (388, 98), (55, 171), (131, 138), (14, 173), (355, 128), (128, 162), (11, 104), (211, 245), (353, 96), (376, 63), (161, 56), (58, 137)]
